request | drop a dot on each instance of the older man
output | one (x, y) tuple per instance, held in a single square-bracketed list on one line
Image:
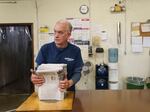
[(61, 51)]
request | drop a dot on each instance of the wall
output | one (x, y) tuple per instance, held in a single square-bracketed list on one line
[(24, 11), (49, 11)]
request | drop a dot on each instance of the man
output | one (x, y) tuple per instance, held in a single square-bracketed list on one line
[(61, 51)]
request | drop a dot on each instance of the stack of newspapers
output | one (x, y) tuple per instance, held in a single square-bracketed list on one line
[(52, 73)]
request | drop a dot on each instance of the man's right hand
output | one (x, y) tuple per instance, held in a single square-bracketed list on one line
[(37, 79)]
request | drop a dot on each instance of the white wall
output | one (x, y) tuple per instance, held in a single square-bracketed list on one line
[(49, 11)]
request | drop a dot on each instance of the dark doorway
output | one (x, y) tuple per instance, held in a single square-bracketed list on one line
[(16, 58)]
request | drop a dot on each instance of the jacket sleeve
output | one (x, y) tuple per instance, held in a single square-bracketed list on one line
[(78, 68)]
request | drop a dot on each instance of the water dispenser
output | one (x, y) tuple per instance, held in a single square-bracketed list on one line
[(101, 70)]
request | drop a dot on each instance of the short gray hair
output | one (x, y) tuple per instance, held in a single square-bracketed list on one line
[(67, 23)]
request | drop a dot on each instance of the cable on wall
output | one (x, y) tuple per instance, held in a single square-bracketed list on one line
[(90, 21), (37, 22), (125, 41)]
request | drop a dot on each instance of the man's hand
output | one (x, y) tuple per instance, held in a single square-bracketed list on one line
[(37, 79), (65, 84)]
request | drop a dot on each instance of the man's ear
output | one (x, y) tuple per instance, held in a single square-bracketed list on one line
[(69, 34)]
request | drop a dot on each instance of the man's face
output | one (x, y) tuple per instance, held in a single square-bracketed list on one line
[(61, 34)]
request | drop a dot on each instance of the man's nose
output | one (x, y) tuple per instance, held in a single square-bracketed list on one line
[(56, 35)]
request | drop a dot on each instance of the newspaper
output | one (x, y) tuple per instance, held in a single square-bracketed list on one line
[(52, 73)]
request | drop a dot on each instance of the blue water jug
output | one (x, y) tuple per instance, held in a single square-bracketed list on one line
[(113, 55)]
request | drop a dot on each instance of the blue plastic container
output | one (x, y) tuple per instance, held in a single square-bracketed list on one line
[(113, 55)]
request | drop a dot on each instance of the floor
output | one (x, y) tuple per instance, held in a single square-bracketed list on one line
[(9, 102), (12, 95)]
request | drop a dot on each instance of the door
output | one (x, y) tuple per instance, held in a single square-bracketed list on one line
[(16, 58)]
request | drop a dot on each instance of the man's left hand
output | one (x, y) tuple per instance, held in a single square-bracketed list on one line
[(65, 84)]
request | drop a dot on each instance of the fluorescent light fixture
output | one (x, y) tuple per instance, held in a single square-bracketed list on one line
[(8, 1)]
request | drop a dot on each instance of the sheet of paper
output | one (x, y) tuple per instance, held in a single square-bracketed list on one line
[(145, 27), (81, 29), (137, 44), (135, 28), (85, 35), (137, 48), (85, 23), (77, 34), (146, 41), (137, 40), (104, 35)]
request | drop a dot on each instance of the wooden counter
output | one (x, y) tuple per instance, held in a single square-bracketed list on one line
[(34, 104), (97, 101), (112, 101)]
